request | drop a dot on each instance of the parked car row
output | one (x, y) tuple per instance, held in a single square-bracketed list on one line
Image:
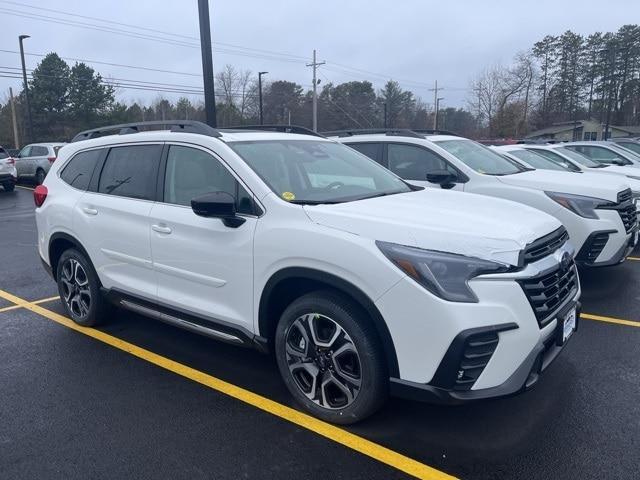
[(333, 254), (33, 162)]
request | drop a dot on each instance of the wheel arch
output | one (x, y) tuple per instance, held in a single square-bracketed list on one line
[(290, 283), (58, 243)]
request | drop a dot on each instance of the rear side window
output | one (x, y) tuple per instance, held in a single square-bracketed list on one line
[(371, 150), (3, 153), (38, 151), (78, 171), (131, 171), (413, 163), (192, 172)]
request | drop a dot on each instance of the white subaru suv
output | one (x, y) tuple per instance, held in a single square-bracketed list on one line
[(359, 282), (599, 216)]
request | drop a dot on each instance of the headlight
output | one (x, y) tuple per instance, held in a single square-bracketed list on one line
[(578, 204), (443, 274)]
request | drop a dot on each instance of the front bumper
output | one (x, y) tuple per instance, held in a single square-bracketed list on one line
[(7, 178), (523, 378)]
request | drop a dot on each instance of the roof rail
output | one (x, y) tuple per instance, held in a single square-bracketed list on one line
[(187, 126), (430, 131), (277, 128), (400, 132)]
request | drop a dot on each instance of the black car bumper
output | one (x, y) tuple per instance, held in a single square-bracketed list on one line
[(7, 178), (524, 378)]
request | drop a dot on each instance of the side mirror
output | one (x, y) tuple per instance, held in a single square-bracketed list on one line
[(444, 178), (217, 205)]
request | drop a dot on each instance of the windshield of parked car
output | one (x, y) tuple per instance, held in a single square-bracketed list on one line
[(633, 146), (313, 171), (577, 157), (538, 161), (480, 158)]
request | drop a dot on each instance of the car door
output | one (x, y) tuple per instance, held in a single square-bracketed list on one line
[(113, 218), (413, 162), (203, 266), (23, 166)]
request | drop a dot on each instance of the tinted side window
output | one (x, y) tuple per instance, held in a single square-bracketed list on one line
[(413, 163), (371, 150), (78, 171), (25, 152), (3, 153), (37, 151), (131, 171), (192, 172)]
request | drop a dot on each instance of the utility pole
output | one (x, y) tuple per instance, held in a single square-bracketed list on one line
[(207, 63), (26, 89), (435, 104), (260, 93), (16, 141), (315, 66), (435, 122)]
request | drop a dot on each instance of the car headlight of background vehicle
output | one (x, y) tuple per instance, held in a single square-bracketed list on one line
[(443, 274), (578, 204)]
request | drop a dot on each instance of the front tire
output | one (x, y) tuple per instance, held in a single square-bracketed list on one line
[(330, 358), (79, 289)]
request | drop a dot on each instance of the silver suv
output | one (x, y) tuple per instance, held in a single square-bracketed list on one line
[(34, 161)]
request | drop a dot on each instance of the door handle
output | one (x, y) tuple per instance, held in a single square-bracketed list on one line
[(161, 229), (90, 211)]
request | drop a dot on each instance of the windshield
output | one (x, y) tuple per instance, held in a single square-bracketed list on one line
[(311, 171), (628, 154), (578, 157), (479, 158), (537, 161), (633, 146)]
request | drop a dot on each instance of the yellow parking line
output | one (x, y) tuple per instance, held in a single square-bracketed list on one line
[(26, 188), (633, 258), (36, 302), (601, 318), (327, 430)]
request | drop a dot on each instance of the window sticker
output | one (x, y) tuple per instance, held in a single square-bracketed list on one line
[(288, 196)]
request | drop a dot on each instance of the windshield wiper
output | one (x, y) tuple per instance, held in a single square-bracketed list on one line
[(314, 202)]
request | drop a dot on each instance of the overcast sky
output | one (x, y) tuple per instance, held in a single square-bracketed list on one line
[(412, 41)]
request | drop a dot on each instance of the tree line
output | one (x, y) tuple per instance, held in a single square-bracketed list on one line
[(566, 77), (562, 78)]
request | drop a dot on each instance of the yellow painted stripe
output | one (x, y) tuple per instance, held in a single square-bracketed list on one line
[(601, 318), (36, 302), (327, 430), (23, 187), (634, 258)]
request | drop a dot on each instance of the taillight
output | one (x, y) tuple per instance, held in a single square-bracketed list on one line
[(40, 195), (51, 159), (11, 161)]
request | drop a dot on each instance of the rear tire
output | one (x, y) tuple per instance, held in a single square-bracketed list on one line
[(40, 176), (9, 187), (330, 358), (79, 289)]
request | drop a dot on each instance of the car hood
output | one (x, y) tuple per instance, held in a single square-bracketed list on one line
[(622, 170), (449, 221), (587, 184)]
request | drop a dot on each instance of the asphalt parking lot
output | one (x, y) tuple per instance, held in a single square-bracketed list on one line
[(140, 399)]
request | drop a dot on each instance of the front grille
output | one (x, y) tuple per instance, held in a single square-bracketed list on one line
[(626, 209), (592, 247), (547, 292), (544, 246)]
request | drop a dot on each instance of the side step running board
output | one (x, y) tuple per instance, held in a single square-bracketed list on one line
[(181, 323)]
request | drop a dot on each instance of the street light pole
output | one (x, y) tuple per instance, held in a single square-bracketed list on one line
[(207, 63), (435, 120), (260, 94), (26, 89)]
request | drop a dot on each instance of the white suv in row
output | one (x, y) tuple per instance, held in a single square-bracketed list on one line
[(598, 212), (361, 283)]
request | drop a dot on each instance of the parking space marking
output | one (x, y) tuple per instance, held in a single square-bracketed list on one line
[(633, 258), (36, 302), (601, 318), (327, 430), (25, 188)]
